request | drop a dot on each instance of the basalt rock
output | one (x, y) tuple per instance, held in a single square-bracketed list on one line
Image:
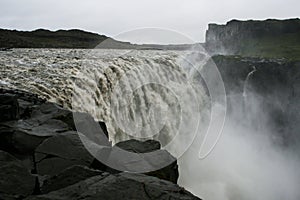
[(69, 177), (169, 172), (274, 83), (15, 178), (49, 156), (9, 107), (119, 186), (270, 38), (138, 156), (61, 152)]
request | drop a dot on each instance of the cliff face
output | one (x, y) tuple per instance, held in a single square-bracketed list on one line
[(270, 38), (271, 82)]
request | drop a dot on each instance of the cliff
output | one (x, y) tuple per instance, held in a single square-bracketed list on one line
[(268, 84), (269, 38)]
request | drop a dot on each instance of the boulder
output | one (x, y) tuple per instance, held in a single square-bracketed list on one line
[(23, 136), (61, 152), (123, 186), (48, 110), (169, 172), (38, 121), (69, 177), (9, 107), (15, 179), (142, 158), (139, 146)]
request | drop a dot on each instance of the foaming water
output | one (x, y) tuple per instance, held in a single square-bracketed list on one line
[(141, 94), (48, 73)]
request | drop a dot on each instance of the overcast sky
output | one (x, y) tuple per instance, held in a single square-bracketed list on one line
[(111, 17)]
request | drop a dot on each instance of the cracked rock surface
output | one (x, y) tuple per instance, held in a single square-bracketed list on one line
[(43, 157)]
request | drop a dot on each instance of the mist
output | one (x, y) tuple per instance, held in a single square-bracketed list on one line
[(247, 163)]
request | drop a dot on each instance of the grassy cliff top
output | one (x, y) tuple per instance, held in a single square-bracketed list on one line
[(269, 38)]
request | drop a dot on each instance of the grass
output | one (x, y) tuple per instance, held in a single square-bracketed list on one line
[(284, 46)]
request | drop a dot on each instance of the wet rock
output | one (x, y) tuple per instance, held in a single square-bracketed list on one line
[(66, 117), (23, 136), (19, 142), (38, 121), (119, 186), (69, 177), (96, 132), (15, 179), (146, 161), (169, 172), (139, 146), (25, 108), (271, 84), (9, 107), (47, 111), (46, 141), (60, 152)]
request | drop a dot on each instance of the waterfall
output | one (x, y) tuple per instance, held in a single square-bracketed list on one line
[(246, 82), (144, 95), (139, 94)]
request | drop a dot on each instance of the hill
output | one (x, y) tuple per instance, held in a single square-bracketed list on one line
[(76, 39), (49, 39)]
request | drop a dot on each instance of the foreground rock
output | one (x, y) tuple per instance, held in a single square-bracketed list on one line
[(69, 177), (9, 107), (15, 179), (41, 152), (60, 152), (119, 186), (38, 121), (169, 172)]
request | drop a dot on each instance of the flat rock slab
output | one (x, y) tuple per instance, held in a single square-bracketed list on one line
[(123, 186), (9, 107), (60, 152), (69, 177), (15, 178), (157, 160)]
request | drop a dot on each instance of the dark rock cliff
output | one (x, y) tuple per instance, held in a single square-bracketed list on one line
[(271, 85), (270, 38)]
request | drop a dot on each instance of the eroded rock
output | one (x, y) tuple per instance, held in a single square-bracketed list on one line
[(140, 156), (124, 186), (9, 107), (15, 179), (60, 152), (69, 177)]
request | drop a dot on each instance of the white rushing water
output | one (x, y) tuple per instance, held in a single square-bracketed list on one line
[(143, 94)]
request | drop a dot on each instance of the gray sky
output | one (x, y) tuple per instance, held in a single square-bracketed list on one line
[(110, 17)]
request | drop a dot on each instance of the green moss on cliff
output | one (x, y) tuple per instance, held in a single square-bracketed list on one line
[(268, 39), (283, 46)]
